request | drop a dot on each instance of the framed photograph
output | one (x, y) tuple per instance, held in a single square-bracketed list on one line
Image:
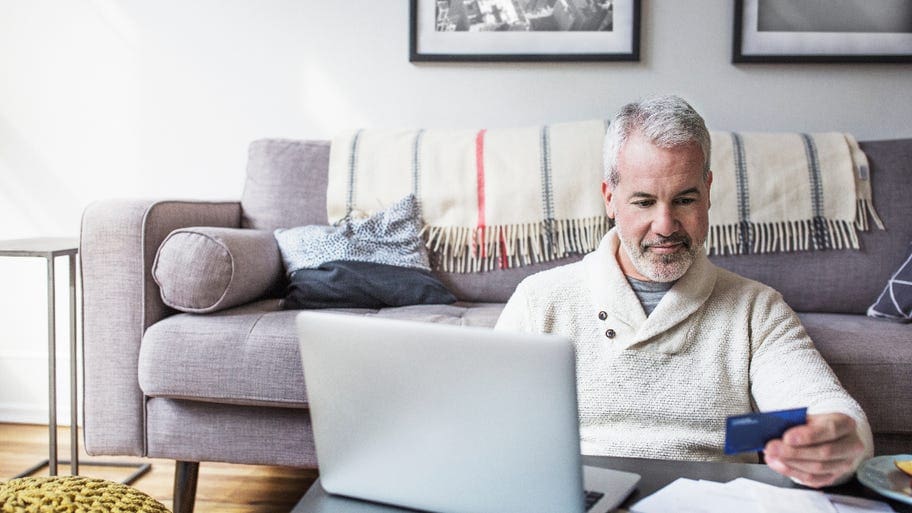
[(823, 31), (524, 30)]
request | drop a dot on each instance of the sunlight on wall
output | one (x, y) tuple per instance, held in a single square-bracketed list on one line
[(64, 120), (118, 21), (66, 112), (21, 213), (325, 105)]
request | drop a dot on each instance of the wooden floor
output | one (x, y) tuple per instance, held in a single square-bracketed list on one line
[(222, 487)]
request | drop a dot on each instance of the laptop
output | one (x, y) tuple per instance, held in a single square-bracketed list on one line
[(448, 418)]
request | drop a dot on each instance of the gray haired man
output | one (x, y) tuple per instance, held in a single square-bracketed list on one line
[(668, 345)]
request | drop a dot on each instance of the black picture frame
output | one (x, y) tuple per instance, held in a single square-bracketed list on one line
[(751, 45), (426, 44)]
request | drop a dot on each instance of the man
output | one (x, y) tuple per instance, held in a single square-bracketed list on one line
[(668, 345)]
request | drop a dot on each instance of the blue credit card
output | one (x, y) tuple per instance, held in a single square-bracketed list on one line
[(751, 432)]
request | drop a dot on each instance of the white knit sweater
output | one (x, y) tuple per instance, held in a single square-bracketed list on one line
[(716, 345)]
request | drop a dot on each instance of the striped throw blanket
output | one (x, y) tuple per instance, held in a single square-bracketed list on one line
[(500, 198), (787, 192), (490, 199)]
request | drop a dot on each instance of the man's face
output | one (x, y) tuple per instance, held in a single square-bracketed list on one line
[(660, 207)]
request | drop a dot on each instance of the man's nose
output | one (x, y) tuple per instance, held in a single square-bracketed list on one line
[(664, 223)]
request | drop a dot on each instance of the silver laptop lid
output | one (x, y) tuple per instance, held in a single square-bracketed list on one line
[(442, 418)]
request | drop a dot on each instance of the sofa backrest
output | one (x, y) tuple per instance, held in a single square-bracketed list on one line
[(286, 187), (286, 184), (846, 281)]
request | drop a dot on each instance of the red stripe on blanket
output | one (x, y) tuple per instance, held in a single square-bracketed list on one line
[(503, 250), (479, 170)]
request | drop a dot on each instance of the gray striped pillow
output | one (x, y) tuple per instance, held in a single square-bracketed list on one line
[(895, 302)]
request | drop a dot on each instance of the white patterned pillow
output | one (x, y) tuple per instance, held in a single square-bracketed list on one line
[(390, 237), (895, 302)]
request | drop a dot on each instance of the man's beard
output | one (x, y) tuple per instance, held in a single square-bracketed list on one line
[(658, 267)]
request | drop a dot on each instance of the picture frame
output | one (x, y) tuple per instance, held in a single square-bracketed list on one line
[(784, 31), (474, 31)]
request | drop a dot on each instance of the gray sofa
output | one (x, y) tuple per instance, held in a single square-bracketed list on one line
[(228, 386)]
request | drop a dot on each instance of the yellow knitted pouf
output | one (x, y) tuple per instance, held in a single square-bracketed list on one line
[(73, 494)]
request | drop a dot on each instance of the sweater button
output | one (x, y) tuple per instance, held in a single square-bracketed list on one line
[(610, 333), (603, 315)]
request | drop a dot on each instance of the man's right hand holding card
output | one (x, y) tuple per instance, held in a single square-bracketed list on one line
[(818, 453)]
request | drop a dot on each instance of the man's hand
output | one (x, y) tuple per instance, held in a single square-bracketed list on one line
[(819, 452)]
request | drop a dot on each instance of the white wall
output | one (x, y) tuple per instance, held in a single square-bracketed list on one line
[(135, 98)]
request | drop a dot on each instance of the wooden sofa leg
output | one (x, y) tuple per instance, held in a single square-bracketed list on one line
[(185, 477)]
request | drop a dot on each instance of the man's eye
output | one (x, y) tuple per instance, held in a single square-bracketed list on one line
[(643, 203), (685, 201)]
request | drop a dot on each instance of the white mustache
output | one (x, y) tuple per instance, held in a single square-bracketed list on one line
[(674, 239)]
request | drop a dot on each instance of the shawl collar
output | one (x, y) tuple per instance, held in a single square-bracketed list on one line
[(610, 292)]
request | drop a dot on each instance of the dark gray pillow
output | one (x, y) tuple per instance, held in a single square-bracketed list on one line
[(895, 302), (390, 237), (363, 285)]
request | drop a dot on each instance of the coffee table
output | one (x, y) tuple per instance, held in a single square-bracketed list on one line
[(655, 475)]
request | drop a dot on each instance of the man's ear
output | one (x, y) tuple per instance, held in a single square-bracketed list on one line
[(608, 196), (709, 182)]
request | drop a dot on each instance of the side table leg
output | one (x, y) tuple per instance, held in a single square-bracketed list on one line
[(74, 402), (52, 369)]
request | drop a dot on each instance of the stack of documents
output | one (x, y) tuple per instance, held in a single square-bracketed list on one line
[(748, 496)]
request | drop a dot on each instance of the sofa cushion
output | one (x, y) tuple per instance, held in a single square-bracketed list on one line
[(872, 359), (249, 355), (364, 285), (206, 269), (895, 302)]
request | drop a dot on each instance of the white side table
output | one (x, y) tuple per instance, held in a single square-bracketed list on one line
[(49, 249)]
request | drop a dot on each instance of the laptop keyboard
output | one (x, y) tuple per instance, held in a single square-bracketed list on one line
[(591, 498)]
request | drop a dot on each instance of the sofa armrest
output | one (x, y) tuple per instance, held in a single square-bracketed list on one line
[(118, 242)]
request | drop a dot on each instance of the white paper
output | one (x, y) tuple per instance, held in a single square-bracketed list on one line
[(792, 500), (849, 504), (747, 496), (689, 496)]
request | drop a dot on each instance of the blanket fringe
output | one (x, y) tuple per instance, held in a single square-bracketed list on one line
[(753, 238), (468, 250), (865, 208), (465, 250)]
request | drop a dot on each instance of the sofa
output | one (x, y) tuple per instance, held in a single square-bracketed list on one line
[(225, 383)]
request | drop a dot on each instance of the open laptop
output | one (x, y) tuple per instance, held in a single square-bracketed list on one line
[(448, 418)]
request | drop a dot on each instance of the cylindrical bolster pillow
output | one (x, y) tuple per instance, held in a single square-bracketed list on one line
[(206, 269)]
